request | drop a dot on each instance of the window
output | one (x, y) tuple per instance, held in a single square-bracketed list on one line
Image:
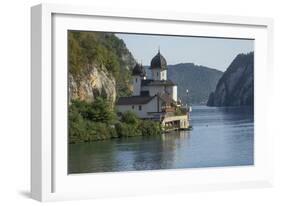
[(139, 107), (157, 74), (133, 106), (136, 79)]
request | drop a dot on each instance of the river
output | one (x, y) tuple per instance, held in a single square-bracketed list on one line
[(220, 137)]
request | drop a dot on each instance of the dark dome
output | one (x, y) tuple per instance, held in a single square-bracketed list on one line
[(158, 62), (139, 70)]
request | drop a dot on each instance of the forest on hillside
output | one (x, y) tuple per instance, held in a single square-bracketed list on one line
[(104, 50)]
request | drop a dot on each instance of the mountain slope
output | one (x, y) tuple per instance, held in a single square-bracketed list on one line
[(199, 81), (236, 86), (99, 65)]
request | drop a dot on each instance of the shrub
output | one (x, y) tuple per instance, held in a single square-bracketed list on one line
[(91, 121), (130, 117), (102, 131), (150, 128), (121, 130), (97, 111), (77, 127), (127, 130)]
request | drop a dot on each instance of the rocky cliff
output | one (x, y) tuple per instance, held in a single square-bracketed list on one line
[(99, 65), (96, 82), (236, 86)]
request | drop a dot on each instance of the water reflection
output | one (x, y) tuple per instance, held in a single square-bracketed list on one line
[(220, 137)]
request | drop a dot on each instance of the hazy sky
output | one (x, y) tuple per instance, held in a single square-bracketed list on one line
[(216, 53)]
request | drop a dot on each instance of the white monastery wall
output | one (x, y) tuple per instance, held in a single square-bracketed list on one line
[(145, 108)]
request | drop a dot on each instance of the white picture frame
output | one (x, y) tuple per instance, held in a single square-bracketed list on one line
[(49, 178)]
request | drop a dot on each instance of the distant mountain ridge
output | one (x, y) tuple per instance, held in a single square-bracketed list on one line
[(199, 80), (236, 86)]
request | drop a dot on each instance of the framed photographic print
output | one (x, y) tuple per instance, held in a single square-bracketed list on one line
[(138, 102)]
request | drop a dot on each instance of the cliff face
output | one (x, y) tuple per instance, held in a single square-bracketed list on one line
[(99, 66), (96, 82), (236, 86)]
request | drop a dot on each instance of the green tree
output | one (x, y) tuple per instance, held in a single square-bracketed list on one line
[(76, 59), (130, 117), (77, 126), (98, 111), (150, 128)]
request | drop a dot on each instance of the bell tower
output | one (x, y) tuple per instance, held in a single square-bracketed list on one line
[(158, 66), (138, 75)]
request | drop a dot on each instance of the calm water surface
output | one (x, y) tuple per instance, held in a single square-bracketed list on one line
[(220, 137)]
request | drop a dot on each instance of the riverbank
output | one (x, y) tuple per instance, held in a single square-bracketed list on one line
[(122, 131), (89, 122)]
